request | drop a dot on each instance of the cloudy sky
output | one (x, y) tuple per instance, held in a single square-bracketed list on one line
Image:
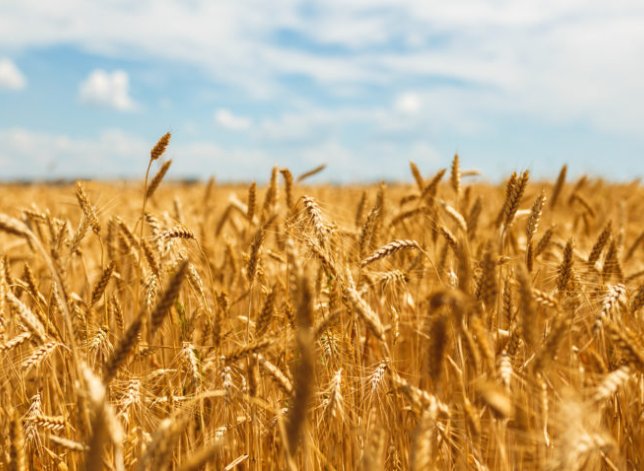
[(86, 87)]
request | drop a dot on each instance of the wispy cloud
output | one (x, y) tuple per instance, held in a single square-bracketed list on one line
[(228, 120), (107, 89), (10, 76), (550, 60), (28, 153), (112, 153)]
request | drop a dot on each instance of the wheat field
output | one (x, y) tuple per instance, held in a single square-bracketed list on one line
[(438, 324)]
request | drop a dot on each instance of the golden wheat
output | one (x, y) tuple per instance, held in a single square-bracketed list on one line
[(419, 325)]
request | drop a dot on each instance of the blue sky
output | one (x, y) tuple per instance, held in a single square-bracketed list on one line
[(86, 88)]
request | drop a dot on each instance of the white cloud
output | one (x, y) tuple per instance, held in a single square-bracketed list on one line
[(10, 76), (299, 125), (408, 103), (310, 122), (111, 90), (226, 119)]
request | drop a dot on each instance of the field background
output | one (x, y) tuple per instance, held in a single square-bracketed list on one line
[(439, 324)]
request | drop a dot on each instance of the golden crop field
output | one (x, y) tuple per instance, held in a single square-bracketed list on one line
[(439, 324)]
